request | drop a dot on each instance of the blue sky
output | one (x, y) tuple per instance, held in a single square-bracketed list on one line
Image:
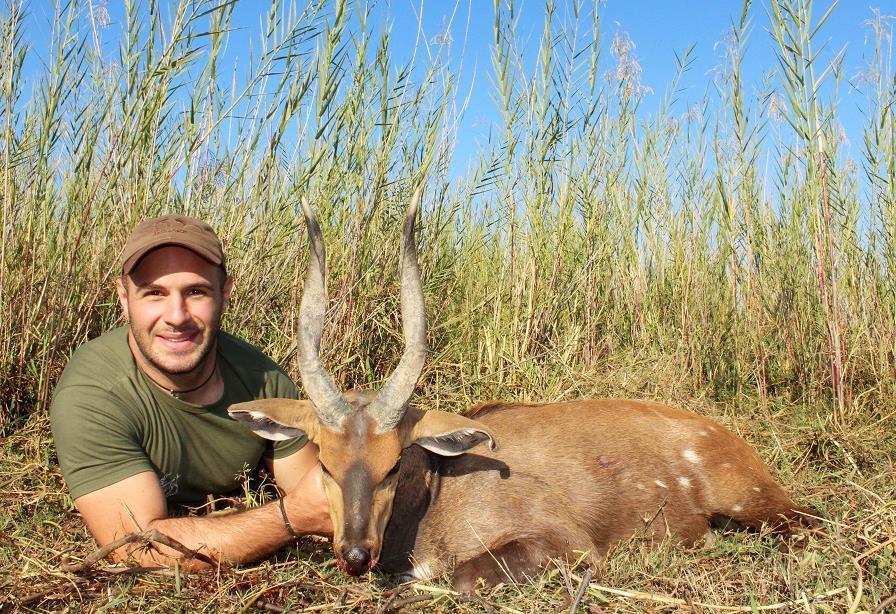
[(659, 29)]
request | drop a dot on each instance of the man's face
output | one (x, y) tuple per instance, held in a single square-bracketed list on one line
[(173, 301)]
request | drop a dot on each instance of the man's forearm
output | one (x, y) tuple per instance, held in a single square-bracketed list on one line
[(241, 537)]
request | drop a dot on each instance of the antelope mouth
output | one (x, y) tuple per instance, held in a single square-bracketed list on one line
[(357, 561)]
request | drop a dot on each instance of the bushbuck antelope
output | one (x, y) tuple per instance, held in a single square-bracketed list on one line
[(413, 491)]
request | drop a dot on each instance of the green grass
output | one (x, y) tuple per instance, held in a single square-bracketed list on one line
[(730, 259)]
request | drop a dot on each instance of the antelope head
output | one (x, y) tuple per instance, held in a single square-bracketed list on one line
[(361, 433)]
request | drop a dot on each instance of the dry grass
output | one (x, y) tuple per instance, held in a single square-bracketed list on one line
[(847, 565)]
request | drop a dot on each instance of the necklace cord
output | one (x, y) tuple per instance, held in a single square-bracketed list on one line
[(175, 393)]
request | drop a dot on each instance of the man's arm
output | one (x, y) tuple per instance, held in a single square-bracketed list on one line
[(138, 504)]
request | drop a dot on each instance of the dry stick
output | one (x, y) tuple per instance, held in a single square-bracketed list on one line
[(64, 588), (261, 604), (488, 607), (412, 600), (709, 606), (583, 586), (885, 604), (881, 546), (145, 537), (387, 605)]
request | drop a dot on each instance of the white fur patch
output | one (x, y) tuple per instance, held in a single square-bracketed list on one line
[(691, 456), (726, 465), (660, 483), (685, 482), (639, 486), (737, 508), (267, 428), (422, 570), (756, 489)]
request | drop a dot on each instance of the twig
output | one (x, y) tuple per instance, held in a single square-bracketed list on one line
[(881, 546), (413, 599), (261, 604), (64, 588), (583, 586), (146, 537), (135, 571), (388, 603), (488, 607), (709, 606), (885, 604)]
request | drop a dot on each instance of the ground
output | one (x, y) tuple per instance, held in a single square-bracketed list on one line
[(847, 565)]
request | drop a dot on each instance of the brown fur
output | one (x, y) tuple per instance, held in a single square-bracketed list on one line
[(576, 477), (565, 479), (489, 407)]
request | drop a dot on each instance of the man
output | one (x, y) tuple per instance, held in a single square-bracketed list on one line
[(139, 416)]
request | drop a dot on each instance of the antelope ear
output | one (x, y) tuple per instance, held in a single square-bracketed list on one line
[(443, 433), (277, 419)]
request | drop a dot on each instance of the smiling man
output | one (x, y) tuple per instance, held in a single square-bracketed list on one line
[(140, 420)]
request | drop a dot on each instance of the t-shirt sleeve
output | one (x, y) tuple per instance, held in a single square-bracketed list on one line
[(97, 444), (283, 388)]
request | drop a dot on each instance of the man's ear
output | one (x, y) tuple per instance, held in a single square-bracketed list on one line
[(277, 419), (122, 292), (443, 433), (227, 291)]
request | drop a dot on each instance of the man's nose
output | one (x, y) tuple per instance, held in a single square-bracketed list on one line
[(176, 312)]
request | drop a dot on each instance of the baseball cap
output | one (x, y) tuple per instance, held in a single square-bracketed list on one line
[(181, 230)]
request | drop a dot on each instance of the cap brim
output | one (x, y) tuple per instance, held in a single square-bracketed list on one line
[(131, 263)]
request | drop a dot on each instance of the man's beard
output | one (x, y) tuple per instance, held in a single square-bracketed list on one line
[(172, 364)]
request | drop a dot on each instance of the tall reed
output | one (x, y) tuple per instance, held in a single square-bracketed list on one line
[(592, 248)]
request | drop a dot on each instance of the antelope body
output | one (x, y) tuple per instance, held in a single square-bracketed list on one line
[(415, 492)]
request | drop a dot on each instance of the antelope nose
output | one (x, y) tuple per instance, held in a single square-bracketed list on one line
[(357, 560)]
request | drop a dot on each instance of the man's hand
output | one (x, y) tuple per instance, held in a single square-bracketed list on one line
[(137, 504), (299, 476)]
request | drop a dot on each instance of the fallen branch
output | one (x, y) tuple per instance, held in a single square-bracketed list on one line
[(486, 605), (583, 586), (397, 605), (886, 603), (62, 588), (387, 605), (709, 606), (145, 537), (261, 604)]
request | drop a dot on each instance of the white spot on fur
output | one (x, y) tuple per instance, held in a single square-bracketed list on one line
[(660, 484), (726, 465), (691, 456), (685, 482), (756, 489), (639, 486), (737, 508), (703, 434), (422, 571)]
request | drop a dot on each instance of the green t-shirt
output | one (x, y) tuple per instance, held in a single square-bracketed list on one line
[(111, 422)]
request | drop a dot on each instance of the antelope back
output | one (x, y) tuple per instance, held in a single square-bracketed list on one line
[(581, 476)]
